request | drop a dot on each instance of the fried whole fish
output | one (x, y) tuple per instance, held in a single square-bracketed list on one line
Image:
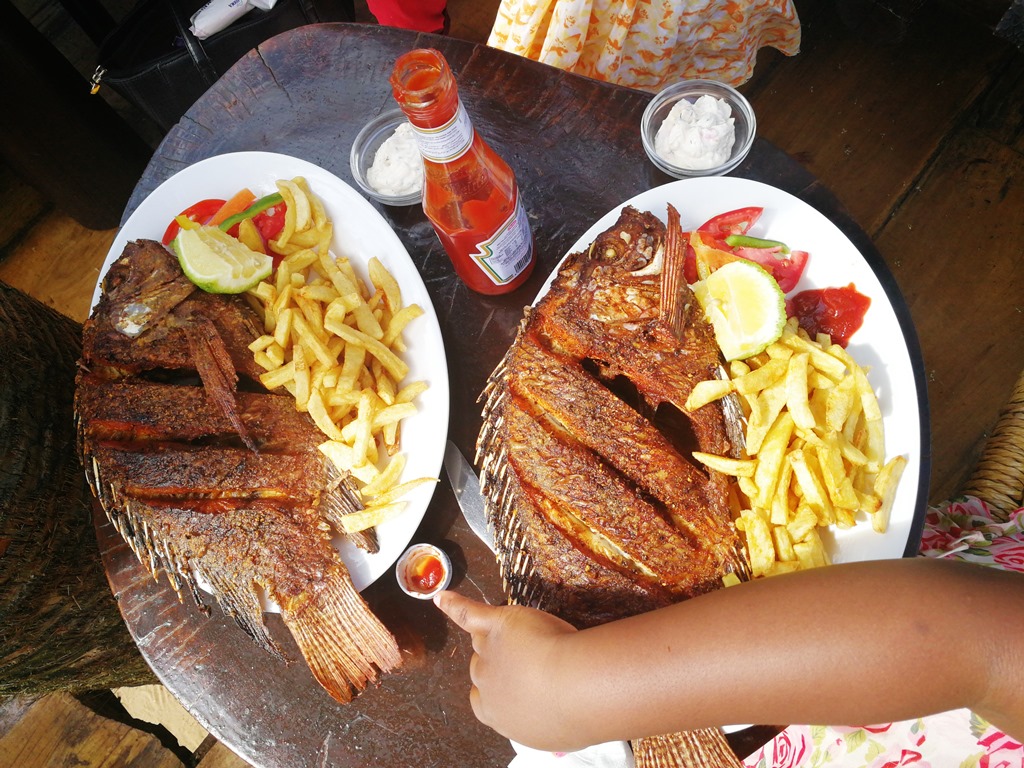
[(599, 508), (212, 479)]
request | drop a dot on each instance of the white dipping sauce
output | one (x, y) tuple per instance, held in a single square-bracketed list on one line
[(397, 167), (697, 135)]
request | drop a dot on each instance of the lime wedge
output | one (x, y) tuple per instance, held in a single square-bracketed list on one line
[(744, 305), (217, 262)]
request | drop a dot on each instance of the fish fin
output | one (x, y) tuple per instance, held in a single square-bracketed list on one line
[(704, 748), (675, 295), (213, 363), (340, 497), (241, 602), (735, 420), (514, 559), (154, 553), (343, 642)]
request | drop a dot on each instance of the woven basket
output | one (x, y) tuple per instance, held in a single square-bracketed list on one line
[(998, 478)]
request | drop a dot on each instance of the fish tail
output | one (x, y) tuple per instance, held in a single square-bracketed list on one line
[(704, 748), (342, 640)]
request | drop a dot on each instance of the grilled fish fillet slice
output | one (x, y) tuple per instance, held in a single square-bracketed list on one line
[(573, 403), (134, 415), (134, 410), (601, 513)]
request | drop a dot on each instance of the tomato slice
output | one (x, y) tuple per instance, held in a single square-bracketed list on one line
[(200, 213), (271, 221), (736, 222), (786, 269)]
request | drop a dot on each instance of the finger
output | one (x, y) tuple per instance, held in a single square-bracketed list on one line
[(470, 615)]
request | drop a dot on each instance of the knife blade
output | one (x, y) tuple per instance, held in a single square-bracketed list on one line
[(466, 486)]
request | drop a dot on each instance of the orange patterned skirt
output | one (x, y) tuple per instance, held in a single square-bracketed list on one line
[(648, 43)]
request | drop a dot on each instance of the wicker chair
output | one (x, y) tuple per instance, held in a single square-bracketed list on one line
[(998, 479), (62, 630)]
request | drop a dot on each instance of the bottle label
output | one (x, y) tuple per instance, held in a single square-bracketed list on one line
[(505, 254), (446, 142)]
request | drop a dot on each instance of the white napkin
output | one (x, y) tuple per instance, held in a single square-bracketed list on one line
[(612, 754)]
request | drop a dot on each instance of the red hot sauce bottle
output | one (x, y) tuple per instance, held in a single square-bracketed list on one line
[(469, 193)]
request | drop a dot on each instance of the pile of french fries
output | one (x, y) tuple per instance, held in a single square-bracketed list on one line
[(815, 450), (335, 344)]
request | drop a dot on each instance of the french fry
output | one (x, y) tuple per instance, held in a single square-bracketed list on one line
[(811, 552), (885, 488), (300, 376), (398, 321), (318, 412), (783, 543), (383, 280), (371, 516), (760, 545), (797, 391), (396, 492), (344, 458), (394, 364), (762, 378), (385, 479), (708, 391), (726, 465), (771, 457)]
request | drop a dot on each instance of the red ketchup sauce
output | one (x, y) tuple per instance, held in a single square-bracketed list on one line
[(426, 574), (839, 312)]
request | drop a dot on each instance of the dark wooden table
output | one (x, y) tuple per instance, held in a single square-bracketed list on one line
[(575, 145)]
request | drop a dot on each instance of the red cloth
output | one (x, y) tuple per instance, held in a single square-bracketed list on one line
[(421, 15)]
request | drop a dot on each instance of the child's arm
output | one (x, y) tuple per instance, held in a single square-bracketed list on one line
[(848, 644)]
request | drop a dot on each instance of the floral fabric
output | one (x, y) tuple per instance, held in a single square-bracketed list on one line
[(647, 43), (964, 529)]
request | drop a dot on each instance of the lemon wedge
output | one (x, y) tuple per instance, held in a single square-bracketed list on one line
[(217, 262), (745, 307)]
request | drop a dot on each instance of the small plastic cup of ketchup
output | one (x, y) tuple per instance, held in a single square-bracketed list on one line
[(423, 570)]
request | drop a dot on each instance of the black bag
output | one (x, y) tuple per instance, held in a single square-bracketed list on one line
[(154, 62)]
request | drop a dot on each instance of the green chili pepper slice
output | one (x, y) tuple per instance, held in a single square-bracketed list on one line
[(256, 208), (746, 241)]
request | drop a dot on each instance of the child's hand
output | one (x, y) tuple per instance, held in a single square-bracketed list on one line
[(515, 669)]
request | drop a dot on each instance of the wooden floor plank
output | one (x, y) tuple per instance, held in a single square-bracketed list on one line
[(220, 756), (1000, 114), (23, 205), (955, 249), (867, 118), (58, 262), (57, 730)]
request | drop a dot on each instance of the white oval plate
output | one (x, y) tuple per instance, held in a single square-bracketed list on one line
[(359, 233), (879, 345)]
